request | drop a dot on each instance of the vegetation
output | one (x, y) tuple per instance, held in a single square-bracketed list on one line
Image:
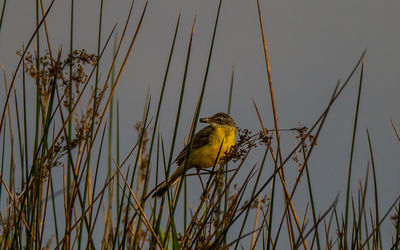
[(51, 167)]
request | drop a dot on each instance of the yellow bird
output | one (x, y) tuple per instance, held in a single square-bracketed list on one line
[(206, 144)]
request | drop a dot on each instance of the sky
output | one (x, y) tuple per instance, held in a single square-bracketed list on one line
[(311, 45)]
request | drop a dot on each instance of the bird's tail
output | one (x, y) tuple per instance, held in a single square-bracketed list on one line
[(163, 187)]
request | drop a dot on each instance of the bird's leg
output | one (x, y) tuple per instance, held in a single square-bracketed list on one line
[(201, 181)]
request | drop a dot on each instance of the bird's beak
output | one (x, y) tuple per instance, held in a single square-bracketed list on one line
[(205, 120)]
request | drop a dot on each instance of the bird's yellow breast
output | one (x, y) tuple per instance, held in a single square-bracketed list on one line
[(206, 156)]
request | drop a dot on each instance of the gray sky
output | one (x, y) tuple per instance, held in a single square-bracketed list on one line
[(312, 44)]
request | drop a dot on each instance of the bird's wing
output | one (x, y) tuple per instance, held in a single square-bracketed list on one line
[(200, 139)]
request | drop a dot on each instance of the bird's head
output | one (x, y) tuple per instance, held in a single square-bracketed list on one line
[(219, 119)]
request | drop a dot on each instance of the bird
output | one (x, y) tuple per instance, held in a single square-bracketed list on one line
[(209, 143)]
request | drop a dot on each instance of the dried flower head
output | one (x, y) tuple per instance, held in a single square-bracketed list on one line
[(246, 142)]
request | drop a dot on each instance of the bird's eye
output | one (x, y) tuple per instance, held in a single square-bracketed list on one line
[(219, 119)]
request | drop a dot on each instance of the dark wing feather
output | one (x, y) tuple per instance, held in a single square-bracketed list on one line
[(200, 139)]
